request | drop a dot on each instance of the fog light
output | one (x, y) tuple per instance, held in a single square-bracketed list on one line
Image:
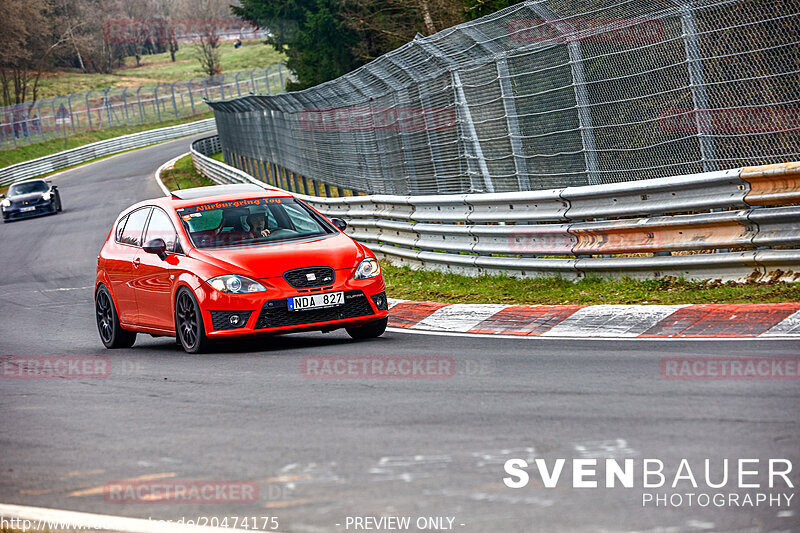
[(234, 320), (380, 301)]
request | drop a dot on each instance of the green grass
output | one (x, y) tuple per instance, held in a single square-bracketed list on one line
[(184, 176), (158, 68), (27, 152), (408, 284)]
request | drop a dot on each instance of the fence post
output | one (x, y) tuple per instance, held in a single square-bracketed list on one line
[(266, 79), (579, 87), (191, 97), (125, 105), (253, 88), (236, 79), (280, 75), (71, 116), (139, 105), (174, 104), (89, 110), (698, 88), (155, 101), (509, 105), (466, 118)]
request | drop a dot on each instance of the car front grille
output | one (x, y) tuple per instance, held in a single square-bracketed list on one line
[(221, 320), (275, 313), (319, 277)]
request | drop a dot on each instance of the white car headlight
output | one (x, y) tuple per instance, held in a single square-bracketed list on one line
[(46, 196), (236, 284), (6, 203), (368, 268)]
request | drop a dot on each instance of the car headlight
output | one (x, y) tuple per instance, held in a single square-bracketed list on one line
[(236, 284), (6, 203), (368, 268), (46, 196)]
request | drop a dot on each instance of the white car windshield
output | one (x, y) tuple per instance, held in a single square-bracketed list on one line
[(28, 187)]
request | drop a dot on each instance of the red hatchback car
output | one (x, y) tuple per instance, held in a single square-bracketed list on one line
[(233, 260)]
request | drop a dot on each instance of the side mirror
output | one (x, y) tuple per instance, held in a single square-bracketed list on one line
[(156, 246), (339, 223), (54, 187)]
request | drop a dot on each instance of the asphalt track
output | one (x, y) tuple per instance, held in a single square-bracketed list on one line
[(324, 449)]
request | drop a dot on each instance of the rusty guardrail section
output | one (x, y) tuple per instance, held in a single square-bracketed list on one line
[(732, 225)]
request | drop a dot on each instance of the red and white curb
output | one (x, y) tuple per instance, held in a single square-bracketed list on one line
[(593, 321)]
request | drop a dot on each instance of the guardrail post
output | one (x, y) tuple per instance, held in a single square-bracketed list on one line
[(316, 187)]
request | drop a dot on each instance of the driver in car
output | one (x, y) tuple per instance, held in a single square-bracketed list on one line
[(258, 225)]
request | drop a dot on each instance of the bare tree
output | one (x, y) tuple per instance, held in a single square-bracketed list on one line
[(30, 32), (209, 13)]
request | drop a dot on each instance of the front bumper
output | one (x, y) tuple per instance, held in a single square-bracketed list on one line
[(233, 315), (39, 209)]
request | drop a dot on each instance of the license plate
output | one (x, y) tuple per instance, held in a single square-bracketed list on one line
[(26, 209), (315, 301)]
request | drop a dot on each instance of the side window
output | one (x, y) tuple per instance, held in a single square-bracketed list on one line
[(301, 220), (160, 227), (120, 227), (132, 232)]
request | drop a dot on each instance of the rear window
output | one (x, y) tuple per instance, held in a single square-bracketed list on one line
[(251, 222)]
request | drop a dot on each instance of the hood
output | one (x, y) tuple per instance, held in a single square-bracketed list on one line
[(271, 261)]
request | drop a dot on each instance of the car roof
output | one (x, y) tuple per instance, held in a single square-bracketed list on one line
[(214, 193), (216, 190)]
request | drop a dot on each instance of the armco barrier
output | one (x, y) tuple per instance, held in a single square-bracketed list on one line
[(82, 154), (700, 226)]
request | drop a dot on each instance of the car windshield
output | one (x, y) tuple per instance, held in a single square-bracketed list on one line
[(252, 221), (27, 188)]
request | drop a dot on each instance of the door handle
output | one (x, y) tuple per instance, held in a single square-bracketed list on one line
[(136, 262)]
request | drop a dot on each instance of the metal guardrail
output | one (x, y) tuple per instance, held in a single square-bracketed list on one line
[(63, 116), (570, 231), (82, 154)]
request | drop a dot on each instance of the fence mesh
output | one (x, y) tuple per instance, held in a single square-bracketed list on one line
[(62, 116), (545, 94)]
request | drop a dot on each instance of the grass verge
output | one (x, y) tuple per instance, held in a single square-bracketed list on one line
[(408, 284), (184, 176)]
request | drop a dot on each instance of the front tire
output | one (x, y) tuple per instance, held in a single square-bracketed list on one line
[(369, 331), (111, 333), (59, 208), (189, 323)]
